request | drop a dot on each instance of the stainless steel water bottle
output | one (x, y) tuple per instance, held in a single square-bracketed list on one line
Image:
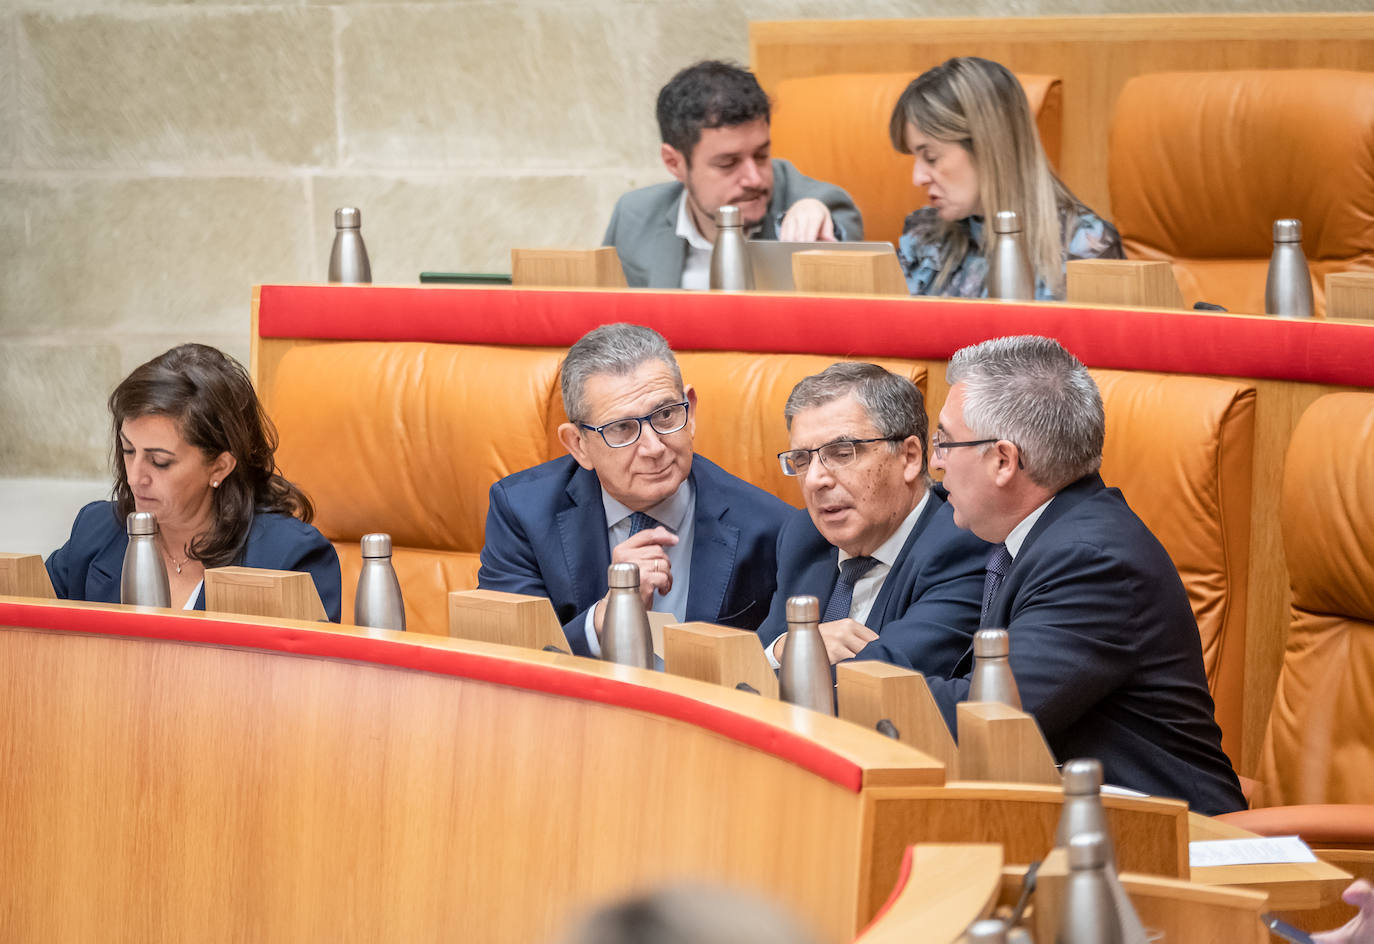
[(1288, 288), (992, 679), (1010, 275), (986, 931), (143, 581), (1090, 915), (730, 268), (348, 258), (804, 678), (378, 602), (625, 636), (1082, 812)]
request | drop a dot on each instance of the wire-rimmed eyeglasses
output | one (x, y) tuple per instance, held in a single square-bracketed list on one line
[(833, 455)]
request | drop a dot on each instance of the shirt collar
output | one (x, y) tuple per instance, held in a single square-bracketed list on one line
[(888, 552), (687, 227), (671, 512), (1018, 534)]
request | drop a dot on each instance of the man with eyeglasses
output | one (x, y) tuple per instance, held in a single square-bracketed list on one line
[(631, 490), (898, 581), (1104, 645)]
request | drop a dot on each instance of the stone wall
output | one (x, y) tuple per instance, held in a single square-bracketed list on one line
[(157, 159)]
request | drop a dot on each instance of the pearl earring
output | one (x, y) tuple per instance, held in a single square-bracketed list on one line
[(215, 484)]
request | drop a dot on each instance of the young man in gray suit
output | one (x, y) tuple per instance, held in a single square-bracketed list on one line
[(713, 118)]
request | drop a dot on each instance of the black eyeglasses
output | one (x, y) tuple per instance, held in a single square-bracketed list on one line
[(939, 445), (833, 455), (621, 433)]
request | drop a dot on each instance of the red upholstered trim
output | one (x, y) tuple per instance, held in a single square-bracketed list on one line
[(933, 328), (903, 876), (551, 680)]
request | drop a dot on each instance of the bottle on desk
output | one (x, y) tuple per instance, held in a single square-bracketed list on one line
[(378, 601), (1288, 287), (1090, 907), (625, 635), (1082, 812), (804, 678), (992, 679), (1010, 275), (348, 257), (730, 268), (143, 581)]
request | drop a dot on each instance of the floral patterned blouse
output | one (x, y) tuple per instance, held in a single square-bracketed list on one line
[(1088, 236)]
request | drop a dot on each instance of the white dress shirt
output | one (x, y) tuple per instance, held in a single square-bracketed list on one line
[(1018, 534), (696, 267), (677, 513)]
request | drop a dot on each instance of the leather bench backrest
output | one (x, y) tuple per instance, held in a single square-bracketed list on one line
[(1180, 449), (1318, 748), (1202, 163), (835, 128)]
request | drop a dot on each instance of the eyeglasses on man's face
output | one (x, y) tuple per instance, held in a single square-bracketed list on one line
[(833, 455), (625, 432), (939, 444)]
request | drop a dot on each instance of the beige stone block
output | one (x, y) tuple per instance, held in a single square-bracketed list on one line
[(216, 88), (168, 256), (497, 85), (9, 101), (53, 419), (467, 223)]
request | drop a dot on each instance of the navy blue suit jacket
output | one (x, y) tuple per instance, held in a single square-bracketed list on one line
[(1106, 654), (89, 565), (928, 607), (546, 536)]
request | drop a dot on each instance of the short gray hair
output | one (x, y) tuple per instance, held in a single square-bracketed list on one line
[(615, 349), (1030, 391), (893, 403)]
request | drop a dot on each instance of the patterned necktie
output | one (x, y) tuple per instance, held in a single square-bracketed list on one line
[(998, 565), (639, 521), (851, 572)]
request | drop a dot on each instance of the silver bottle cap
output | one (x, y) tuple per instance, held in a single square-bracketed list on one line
[(348, 218), (623, 577), (991, 643), (141, 522), (729, 216), (1083, 777), (986, 931), (1288, 231), (803, 610), (376, 545), (1087, 851), (1006, 221)]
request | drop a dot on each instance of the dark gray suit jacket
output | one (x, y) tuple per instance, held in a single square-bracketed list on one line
[(644, 224)]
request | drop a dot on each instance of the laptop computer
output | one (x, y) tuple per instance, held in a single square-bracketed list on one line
[(771, 260)]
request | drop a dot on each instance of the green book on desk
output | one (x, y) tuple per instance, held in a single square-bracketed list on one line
[(464, 278)]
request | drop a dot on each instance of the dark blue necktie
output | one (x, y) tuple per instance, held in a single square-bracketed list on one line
[(639, 521), (998, 565), (851, 572)]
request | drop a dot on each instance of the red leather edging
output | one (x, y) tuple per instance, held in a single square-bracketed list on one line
[(903, 875), (932, 328), (548, 679)]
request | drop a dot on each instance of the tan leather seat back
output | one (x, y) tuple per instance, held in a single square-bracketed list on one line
[(1202, 163), (1180, 449), (835, 128), (1318, 748)]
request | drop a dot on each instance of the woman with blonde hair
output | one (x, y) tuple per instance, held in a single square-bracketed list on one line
[(968, 126)]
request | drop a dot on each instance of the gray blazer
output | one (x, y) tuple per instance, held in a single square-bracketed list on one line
[(643, 226)]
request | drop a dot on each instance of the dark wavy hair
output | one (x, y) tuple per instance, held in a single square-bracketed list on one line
[(709, 94), (210, 397)]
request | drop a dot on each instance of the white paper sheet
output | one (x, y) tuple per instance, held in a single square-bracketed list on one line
[(1267, 850)]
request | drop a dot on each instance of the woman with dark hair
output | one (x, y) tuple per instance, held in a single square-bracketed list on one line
[(969, 127), (194, 446)]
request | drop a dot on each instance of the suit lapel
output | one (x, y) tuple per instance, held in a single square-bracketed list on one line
[(887, 596), (669, 252), (582, 533), (714, 546)]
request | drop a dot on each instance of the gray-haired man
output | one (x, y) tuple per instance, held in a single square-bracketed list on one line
[(1103, 641), (898, 581), (631, 489)]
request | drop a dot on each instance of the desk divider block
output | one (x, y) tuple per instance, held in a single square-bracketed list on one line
[(1148, 284), (567, 268), (872, 691), (997, 742), (23, 575), (511, 619), (254, 591), (719, 655), (1350, 295), (819, 272)]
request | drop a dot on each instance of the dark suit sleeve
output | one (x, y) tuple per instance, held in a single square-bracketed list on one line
[(849, 225), (775, 623), (315, 556), (509, 564), (1071, 642), (68, 566)]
